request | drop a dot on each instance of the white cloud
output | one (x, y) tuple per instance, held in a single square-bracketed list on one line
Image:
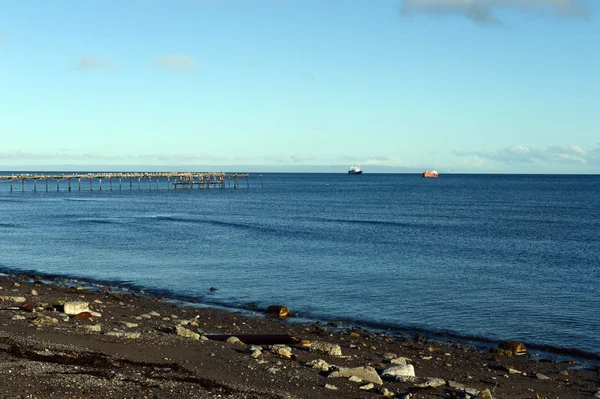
[(89, 62), (561, 154), (482, 11), (176, 63), (273, 158)]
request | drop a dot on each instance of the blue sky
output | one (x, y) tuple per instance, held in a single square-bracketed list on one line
[(507, 86)]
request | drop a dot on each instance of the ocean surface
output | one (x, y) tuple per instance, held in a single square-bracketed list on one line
[(492, 256)]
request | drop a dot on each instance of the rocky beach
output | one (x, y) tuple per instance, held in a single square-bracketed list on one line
[(62, 338)]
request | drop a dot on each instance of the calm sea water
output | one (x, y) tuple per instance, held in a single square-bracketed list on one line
[(495, 256)]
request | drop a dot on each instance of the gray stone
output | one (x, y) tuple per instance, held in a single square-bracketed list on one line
[(184, 332), (400, 371), (365, 373), (154, 313), (326, 347)]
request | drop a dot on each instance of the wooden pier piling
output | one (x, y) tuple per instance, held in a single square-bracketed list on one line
[(189, 180)]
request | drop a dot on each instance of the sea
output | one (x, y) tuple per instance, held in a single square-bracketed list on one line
[(484, 257)]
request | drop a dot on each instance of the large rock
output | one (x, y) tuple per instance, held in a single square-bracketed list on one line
[(400, 371), (326, 347), (366, 373)]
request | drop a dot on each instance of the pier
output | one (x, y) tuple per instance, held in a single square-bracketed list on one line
[(128, 181)]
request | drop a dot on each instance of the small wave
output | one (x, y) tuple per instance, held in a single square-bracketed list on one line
[(244, 226), (99, 221), (9, 225), (86, 199)]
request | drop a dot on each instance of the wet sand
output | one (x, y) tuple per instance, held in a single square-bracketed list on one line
[(128, 345)]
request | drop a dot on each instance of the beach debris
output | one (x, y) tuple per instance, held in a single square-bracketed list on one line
[(365, 373), (8, 298), (318, 364), (327, 348), (184, 332), (403, 370), (72, 308), (278, 311), (517, 348), (124, 334)]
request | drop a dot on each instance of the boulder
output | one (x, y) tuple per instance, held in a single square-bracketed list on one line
[(327, 348), (365, 373), (278, 310)]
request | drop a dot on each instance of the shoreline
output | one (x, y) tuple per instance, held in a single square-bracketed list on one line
[(136, 345), (448, 337)]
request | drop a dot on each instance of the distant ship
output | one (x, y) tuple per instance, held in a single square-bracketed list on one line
[(433, 173), (355, 170)]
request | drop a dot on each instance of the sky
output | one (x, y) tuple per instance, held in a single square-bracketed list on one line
[(463, 86)]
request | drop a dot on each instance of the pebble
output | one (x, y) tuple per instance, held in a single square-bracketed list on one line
[(34, 293), (430, 382), (18, 317), (354, 378), (485, 394), (367, 387), (128, 324), (154, 313), (400, 361), (42, 320), (541, 376), (331, 387), (145, 316), (256, 354)]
